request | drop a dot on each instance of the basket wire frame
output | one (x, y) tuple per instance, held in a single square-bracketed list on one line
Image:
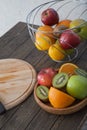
[(32, 16)]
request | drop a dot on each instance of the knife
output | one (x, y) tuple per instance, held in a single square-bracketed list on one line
[(2, 109)]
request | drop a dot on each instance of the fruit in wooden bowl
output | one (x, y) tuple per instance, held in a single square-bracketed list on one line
[(77, 86), (58, 100), (76, 106), (45, 76)]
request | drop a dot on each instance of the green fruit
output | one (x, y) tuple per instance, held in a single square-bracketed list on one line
[(83, 33), (77, 86), (75, 23), (69, 51), (42, 93), (60, 80), (81, 72), (80, 26)]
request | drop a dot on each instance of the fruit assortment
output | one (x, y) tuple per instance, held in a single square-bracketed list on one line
[(59, 37), (62, 87)]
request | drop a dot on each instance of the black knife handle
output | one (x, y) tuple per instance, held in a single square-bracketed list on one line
[(2, 109)]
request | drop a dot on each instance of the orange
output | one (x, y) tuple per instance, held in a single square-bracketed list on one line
[(65, 22), (44, 37), (56, 52), (45, 30), (68, 68), (43, 43), (61, 26), (59, 99)]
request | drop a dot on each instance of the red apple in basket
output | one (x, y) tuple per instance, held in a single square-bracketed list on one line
[(45, 76), (69, 39), (49, 17)]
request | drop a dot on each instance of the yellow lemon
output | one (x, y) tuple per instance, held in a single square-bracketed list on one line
[(56, 52), (45, 31), (43, 43)]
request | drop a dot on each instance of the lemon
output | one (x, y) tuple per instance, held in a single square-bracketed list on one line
[(43, 43), (56, 52)]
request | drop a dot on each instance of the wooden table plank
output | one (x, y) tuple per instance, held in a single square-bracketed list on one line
[(83, 124), (7, 48), (13, 32), (24, 114), (16, 43), (70, 121)]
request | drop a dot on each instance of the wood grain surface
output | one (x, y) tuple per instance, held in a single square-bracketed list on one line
[(17, 79), (16, 43)]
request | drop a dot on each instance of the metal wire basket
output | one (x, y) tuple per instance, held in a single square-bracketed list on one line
[(67, 10)]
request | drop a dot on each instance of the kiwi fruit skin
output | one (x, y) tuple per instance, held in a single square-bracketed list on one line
[(42, 93), (81, 72), (60, 80)]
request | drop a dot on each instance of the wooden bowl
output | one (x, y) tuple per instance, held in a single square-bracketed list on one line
[(69, 110)]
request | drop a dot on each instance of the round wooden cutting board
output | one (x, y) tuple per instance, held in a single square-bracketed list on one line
[(17, 80)]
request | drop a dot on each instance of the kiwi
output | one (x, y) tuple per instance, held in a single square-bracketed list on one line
[(60, 80), (81, 72), (42, 93)]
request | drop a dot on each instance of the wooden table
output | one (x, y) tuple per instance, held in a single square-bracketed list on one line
[(16, 43)]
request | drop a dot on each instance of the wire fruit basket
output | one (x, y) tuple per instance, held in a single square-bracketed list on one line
[(67, 10)]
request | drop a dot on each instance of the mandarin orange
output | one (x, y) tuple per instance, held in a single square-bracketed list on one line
[(59, 99), (45, 31), (68, 68), (65, 23)]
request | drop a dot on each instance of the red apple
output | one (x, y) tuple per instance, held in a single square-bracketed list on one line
[(69, 39), (50, 71), (45, 76), (49, 17)]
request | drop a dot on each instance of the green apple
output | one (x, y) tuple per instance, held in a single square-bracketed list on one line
[(76, 22), (77, 86), (83, 33), (80, 26), (69, 51)]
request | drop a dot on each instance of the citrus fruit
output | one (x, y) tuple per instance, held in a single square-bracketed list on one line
[(59, 99), (56, 52), (58, 30), (65, 22), (61, 26), (45, 30), (43, 43), (68, 68)]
